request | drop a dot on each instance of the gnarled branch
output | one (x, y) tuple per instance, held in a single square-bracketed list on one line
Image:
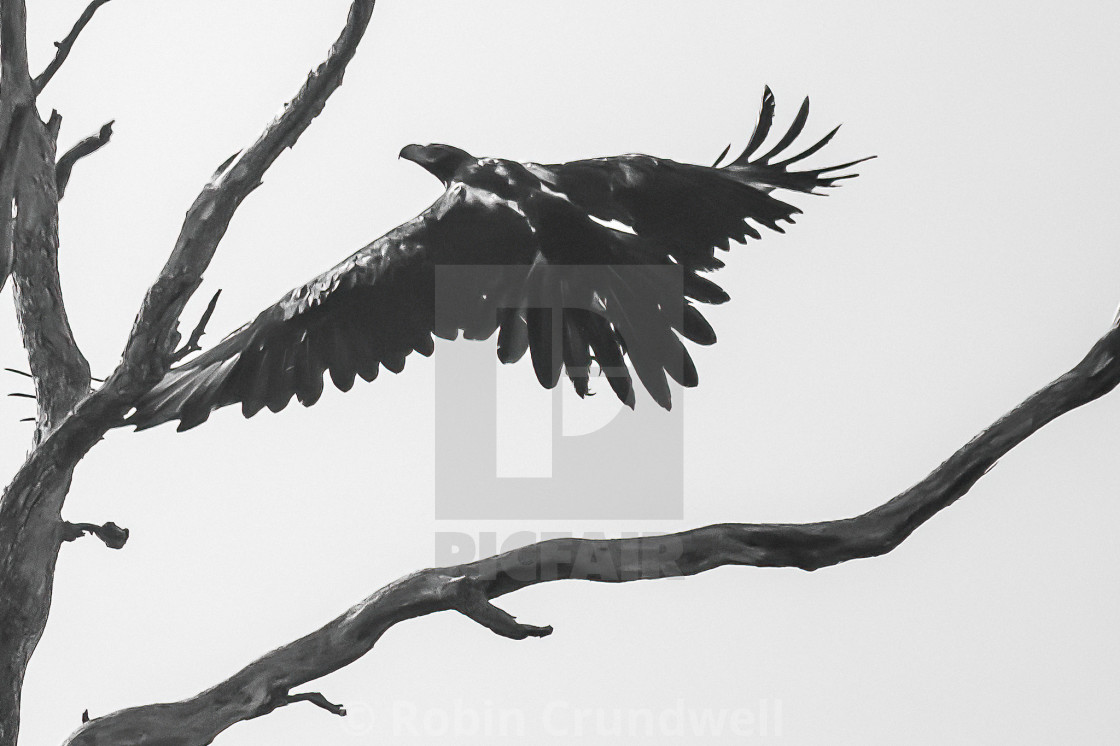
[(148, 352), (29, 521), (31, 528), (16, 97), (267, 683), (61, 372), (110, 533)]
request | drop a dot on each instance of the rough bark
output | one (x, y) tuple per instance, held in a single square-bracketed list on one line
[(60, 372), (29, 545), (267, 683), (71, 419), (29, 538), (15, 99)]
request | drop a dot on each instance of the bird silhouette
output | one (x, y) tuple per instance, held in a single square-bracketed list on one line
[(591, 261)]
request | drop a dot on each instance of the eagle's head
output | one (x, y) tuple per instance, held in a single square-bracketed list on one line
[(441, 161)]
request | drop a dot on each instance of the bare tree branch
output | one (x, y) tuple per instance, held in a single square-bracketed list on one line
[(29, 516), (199, 329), (148, 352), (317, 699), (85, 147), (61, 372), (14, 76), (110, 533), (9, 162), (72, 420), (66, 45), (16, 99), (266, 683)]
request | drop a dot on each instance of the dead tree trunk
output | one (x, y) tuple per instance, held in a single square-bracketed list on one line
[(71, 418)]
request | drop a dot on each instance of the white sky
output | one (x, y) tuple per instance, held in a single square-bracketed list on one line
[(970, 264)]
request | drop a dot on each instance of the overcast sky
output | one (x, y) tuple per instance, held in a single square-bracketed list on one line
[(970, 264)]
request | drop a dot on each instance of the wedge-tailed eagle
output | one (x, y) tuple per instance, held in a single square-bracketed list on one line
[(589, 261)]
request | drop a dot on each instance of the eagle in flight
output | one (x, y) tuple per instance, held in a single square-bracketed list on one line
[(592, 261)]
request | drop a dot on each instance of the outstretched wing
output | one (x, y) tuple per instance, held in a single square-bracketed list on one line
[(531, 264), (470, 264), (693, 209)]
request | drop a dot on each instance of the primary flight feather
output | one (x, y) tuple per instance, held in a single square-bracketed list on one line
[(529, 251)]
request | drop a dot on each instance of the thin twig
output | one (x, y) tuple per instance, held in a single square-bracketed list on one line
[(199, 329), (66, 45), (85, 147), (23, 373), (318, 700)]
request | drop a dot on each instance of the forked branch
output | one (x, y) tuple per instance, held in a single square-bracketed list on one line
[(148, 352), (71, 418), (267, 683)]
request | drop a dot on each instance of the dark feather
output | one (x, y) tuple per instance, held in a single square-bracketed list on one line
[(761, 130), (513, 339), (722, 155), (695, 327), (607, 349), (792, 133), (523, 255), (577, 355)]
